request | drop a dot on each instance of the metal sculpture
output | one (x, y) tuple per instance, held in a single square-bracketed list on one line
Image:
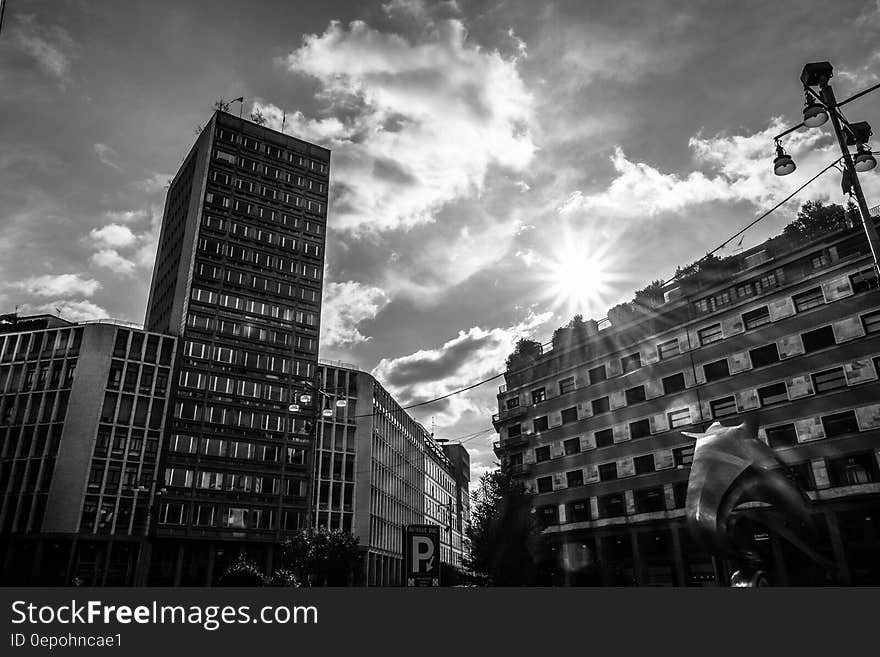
[(735, 476)]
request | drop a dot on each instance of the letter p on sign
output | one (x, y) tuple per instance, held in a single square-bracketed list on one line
[(423, 553)]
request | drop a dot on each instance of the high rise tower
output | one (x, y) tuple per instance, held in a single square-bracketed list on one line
[(238, 278)]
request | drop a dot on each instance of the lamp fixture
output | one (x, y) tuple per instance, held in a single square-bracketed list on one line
[(782, 163), (864, 160), (815, 113)]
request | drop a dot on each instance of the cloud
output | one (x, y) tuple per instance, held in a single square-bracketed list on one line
[(128, 216), (74, 311), (112, 260), (413, 124), (58, 285), (738, 168), (113, 235), (153, 184), (106, 155), (471, 356), (51, 47), (345, 306)]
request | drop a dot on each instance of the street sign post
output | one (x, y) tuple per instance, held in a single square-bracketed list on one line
[(421, 548)]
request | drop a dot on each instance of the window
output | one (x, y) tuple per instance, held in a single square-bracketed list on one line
[(600, 405), (598, 374), (773, 394), (548, 515), (829, 380), (574, 478), (679, 418), (766, 355), (871, 322), (723, 407), (635, 395), (542, 453), (540, 424), (539, 395), (864, 280), (710, 334), (818, 339), (608, 471), (572, 446), (717, 370), (513, 402), (604, 438), (649, 500), (631, 363), (578, 511), (783, 435), (640, 428), (679, 494), (611, 506), (569, 415), (644, 464), (566, 385), (667, 349), (683, 456), (514, 430), (756, 318), (673, 383), (840, 423), (809, 299), (853, 470), (545, 484)]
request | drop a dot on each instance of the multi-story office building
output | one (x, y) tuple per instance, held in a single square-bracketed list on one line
[(82, 409), (784, 337), (378, 470), (440, 500), (461, 472), (238, 278)]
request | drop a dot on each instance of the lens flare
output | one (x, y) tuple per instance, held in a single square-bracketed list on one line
[(578, 275)]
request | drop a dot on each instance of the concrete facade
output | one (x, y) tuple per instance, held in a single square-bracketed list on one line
[(785, 339), (83, 409)]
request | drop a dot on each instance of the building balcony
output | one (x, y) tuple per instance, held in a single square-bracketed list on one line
[(507, 414), (519, 469), (511, 443)]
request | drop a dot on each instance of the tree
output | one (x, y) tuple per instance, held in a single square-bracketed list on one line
[(571, 334), (815, 220), (243, 572), (525, 353), (320, 557), (505, 540)]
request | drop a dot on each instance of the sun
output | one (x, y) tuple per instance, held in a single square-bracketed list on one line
[(577, 275)]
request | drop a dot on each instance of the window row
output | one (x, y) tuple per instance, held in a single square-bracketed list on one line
[(45, 375), (256, 210), (135, 345), (262, 284), (231, 517), (246, 305), (234, 449), (250, 360), (283, 155), (40, 345), (266, 421), (831, 290)]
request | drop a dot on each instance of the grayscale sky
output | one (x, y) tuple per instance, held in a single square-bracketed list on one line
[(497, 166)]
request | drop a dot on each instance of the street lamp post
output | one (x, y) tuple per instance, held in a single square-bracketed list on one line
[(818, 108)]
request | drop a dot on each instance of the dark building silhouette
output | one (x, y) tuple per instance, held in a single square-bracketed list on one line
[(238, 278)]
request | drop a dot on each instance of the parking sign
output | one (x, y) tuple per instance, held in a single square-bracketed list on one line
[(421, 546)]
